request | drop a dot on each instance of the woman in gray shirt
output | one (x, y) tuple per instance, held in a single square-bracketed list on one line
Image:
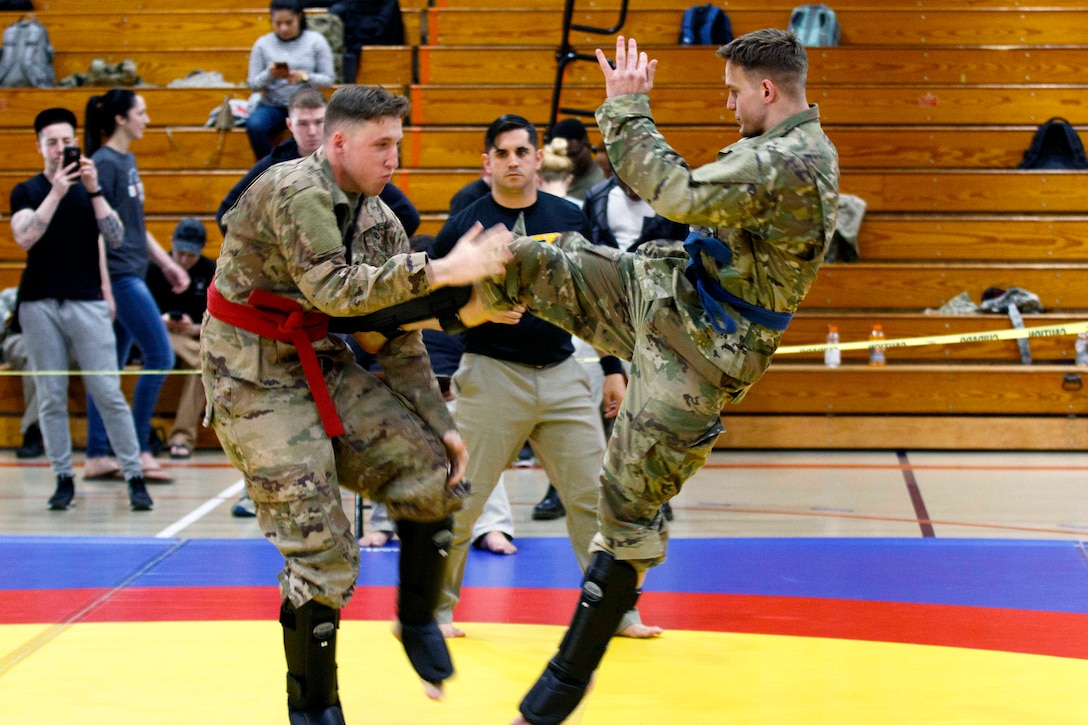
[(280, 63)]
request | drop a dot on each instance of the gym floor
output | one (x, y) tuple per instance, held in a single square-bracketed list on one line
[(801, 587)]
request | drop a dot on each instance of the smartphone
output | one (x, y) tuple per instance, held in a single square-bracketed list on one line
[(71, 156), (175, 316), (280, 65)]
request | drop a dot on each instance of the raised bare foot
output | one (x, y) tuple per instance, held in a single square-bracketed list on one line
[(375, 539), (101, 467), (638, 630), (497, 543), (449, 631)]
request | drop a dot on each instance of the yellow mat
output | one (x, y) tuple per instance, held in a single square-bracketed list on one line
[(196, 673)]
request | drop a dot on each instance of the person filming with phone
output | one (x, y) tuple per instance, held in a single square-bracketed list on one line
[(281, 62), (63, 221)]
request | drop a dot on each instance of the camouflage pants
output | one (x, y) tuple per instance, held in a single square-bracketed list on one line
[(670, 417), (293, 471)]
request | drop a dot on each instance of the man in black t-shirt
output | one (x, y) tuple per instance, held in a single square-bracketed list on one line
[(182, 313), (521, 382), (65, 303)]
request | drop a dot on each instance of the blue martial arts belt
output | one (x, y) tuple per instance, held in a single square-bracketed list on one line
[(712, 295)]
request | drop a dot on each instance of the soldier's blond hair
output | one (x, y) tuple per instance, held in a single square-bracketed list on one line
[(351, 105)]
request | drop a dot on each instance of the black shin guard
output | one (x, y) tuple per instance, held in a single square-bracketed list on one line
[(424, 549), (609, 590), (309, 642)]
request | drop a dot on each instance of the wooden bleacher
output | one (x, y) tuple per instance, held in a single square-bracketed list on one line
[(930, 103)]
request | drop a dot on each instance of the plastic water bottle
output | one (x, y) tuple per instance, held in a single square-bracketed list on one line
[(832, 355), (1081, 346), (876, 352)]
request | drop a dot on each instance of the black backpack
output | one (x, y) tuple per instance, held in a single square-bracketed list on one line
[(705, 25), (1055, 145)]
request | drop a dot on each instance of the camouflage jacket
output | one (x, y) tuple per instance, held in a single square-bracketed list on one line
[(289, 234), (770, 199)]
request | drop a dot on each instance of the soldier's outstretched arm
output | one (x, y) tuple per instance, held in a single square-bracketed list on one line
[(478, 254)]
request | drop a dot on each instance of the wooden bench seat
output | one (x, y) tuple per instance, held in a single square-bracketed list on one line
[(382, 65), (859, 147), (173, 29), (930, 192), (962, 389), (912, 286), (861, 104), (484, 65), (874, 26)]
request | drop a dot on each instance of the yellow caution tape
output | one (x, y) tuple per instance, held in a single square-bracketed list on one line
[(1016, 333)]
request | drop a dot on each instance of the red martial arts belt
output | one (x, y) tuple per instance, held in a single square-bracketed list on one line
[(282, 319)]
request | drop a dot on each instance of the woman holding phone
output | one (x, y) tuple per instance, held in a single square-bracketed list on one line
[(280, 63), (114, 121)]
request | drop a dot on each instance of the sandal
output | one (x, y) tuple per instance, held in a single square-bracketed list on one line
[(180, 450)]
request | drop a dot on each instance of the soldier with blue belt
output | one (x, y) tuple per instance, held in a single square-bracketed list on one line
[(699, 320)]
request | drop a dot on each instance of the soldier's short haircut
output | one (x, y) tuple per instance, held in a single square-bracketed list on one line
[(777, 53), (508, 122), (307, 97), (351, 105)]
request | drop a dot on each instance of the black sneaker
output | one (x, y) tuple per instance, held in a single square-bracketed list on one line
[(138, 497), (32, 443), (62, 498), (666, 511), (550, 507)]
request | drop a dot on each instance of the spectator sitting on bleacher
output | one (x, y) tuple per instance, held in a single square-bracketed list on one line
[(65, 302), (281, 62), (182, 313), (13, 353)]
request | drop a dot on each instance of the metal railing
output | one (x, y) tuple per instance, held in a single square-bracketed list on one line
[(567, 54)]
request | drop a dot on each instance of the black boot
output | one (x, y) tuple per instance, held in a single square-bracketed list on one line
[(138, 497), (62, 497), (550, 507), (424, 549), (309, 643), (32, 443)]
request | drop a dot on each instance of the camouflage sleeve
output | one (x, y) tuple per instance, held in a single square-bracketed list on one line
[(406, 369), (713, 195), (312, 245)]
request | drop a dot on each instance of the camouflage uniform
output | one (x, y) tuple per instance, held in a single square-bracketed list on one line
[(288, 235), (771, 200)]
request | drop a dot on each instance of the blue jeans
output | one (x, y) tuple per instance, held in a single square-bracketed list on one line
[(138, 321), (263, 124)]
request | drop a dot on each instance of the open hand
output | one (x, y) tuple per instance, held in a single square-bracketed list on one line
[(634, 71)]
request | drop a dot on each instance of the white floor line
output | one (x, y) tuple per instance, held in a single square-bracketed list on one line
[(228, 493)]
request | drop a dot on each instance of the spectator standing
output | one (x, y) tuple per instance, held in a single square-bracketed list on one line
[(114, 121), (587, 171), (182, 313), (521, 382), (280, 63), (60, 217)]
